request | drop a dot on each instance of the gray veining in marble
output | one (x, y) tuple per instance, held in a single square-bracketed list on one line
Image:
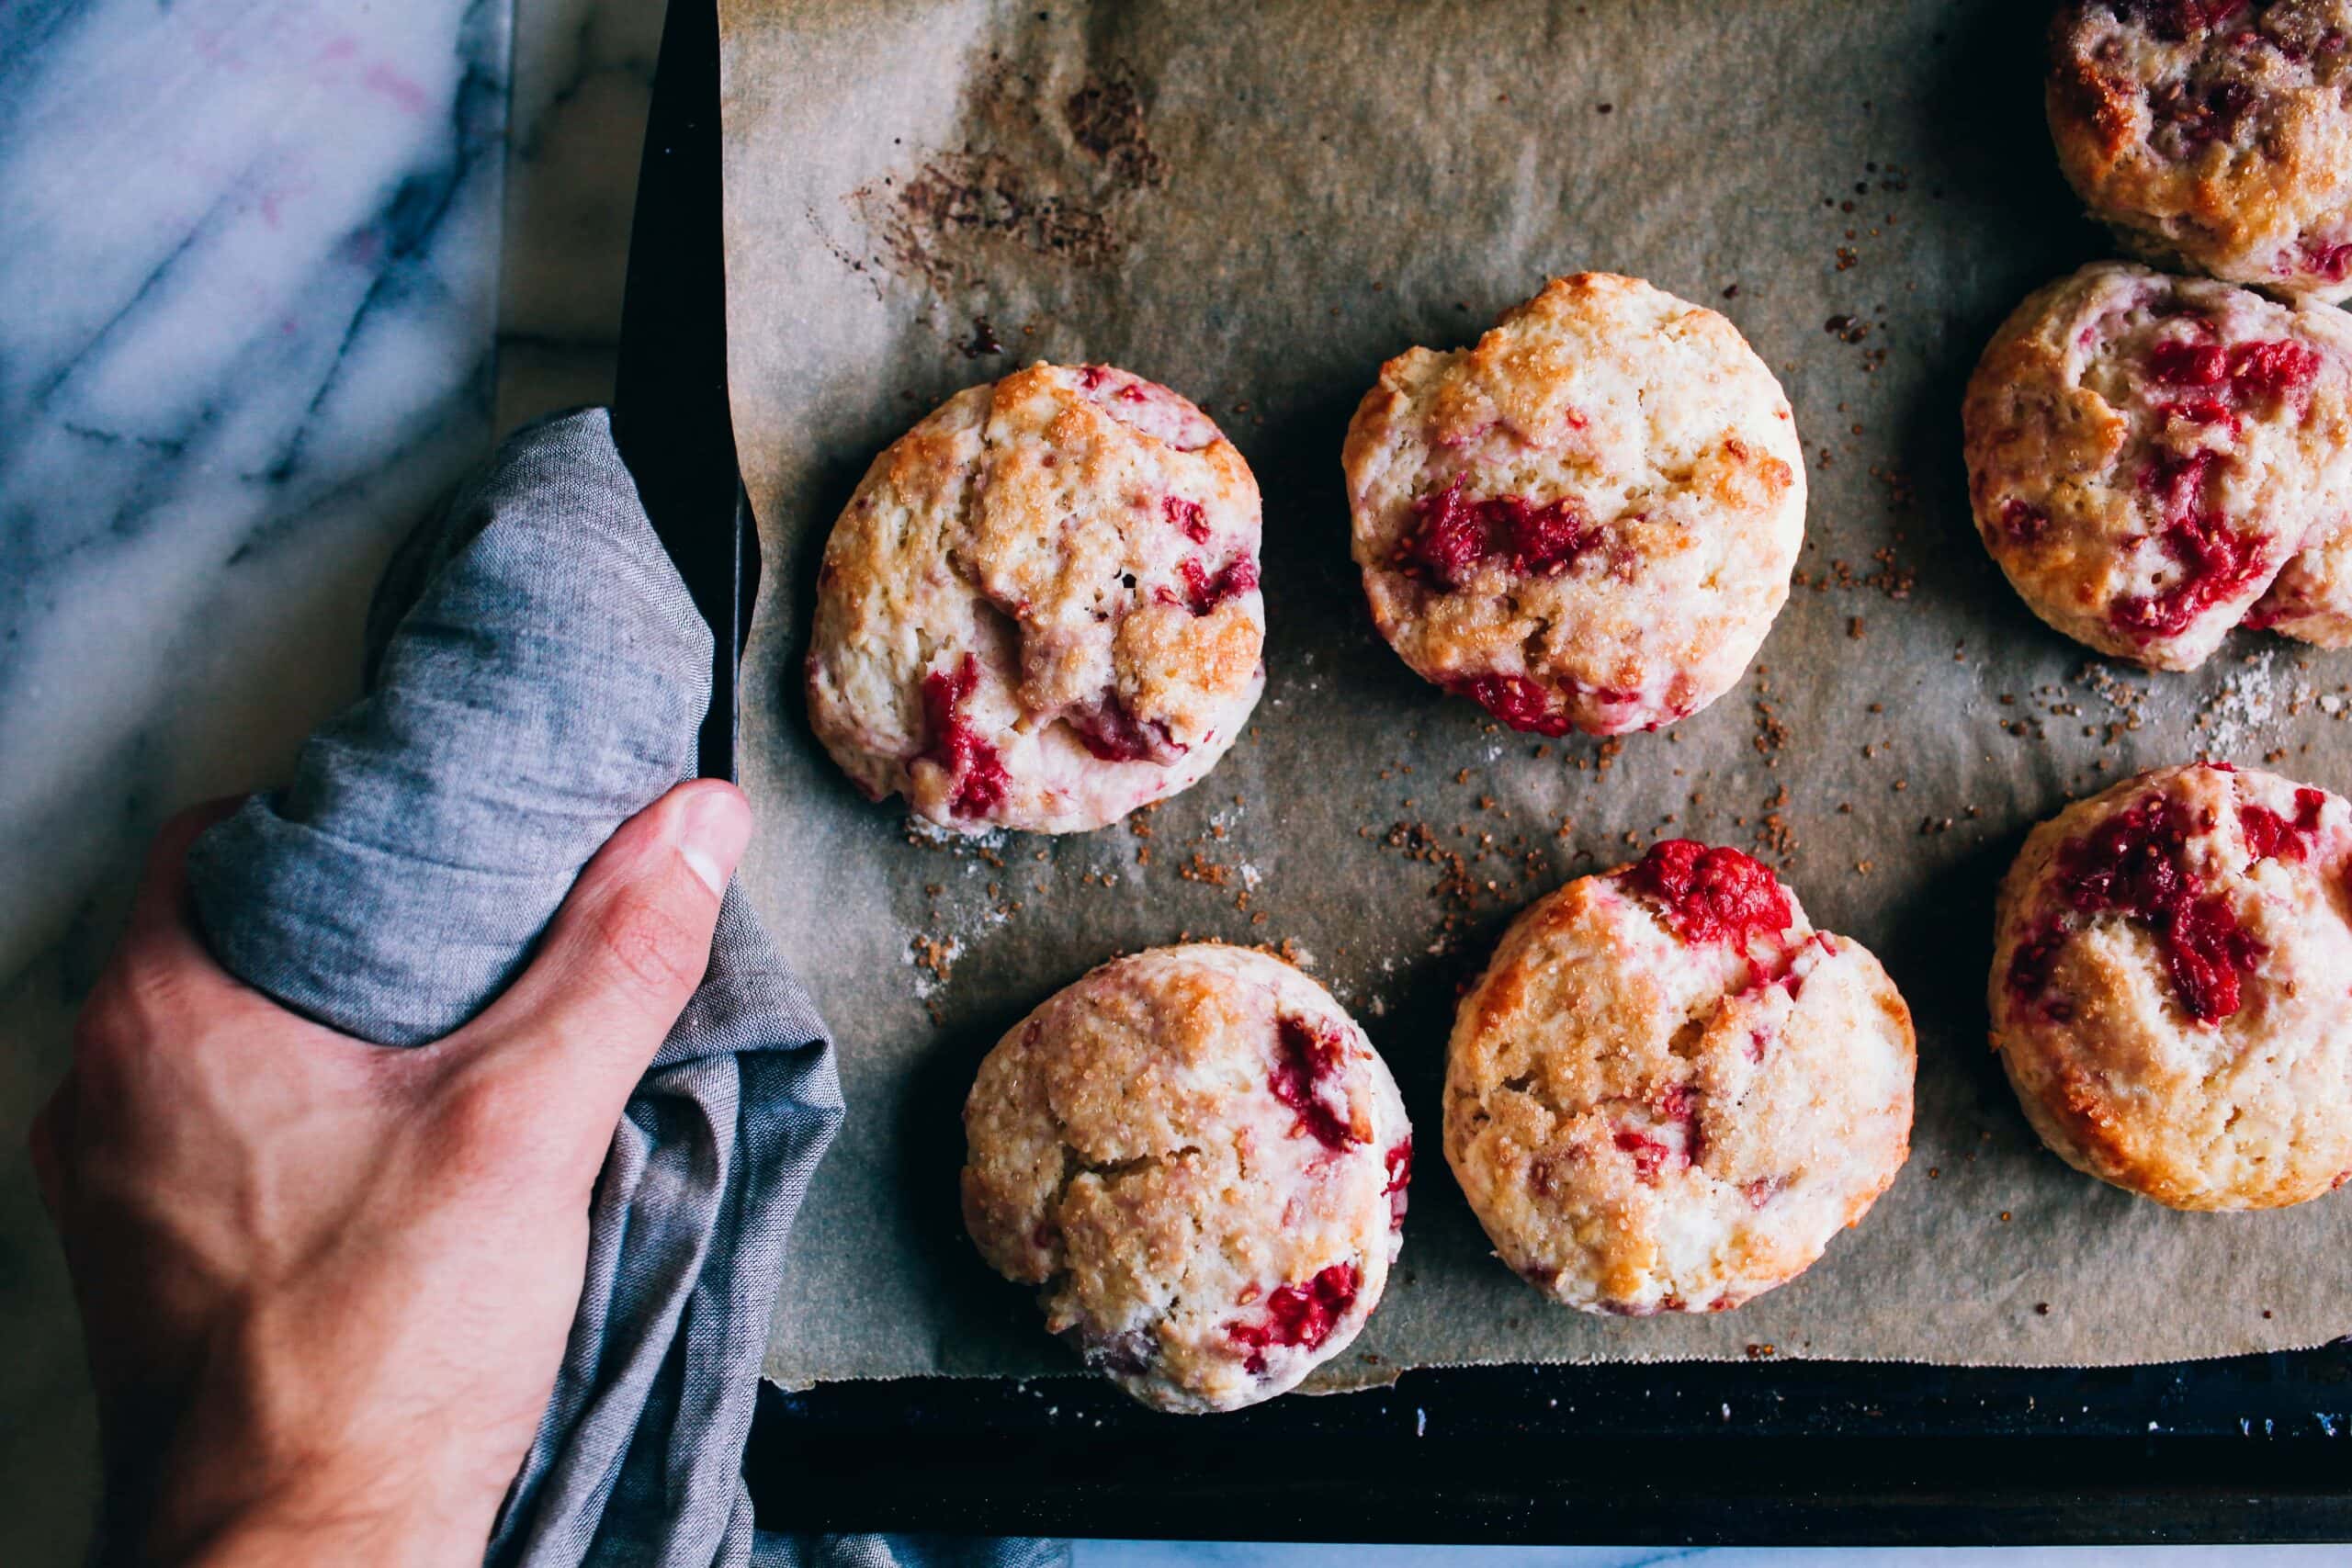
[(248, 256)]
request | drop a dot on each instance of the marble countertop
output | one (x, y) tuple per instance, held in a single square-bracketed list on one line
[(252, 251), (279, 271)]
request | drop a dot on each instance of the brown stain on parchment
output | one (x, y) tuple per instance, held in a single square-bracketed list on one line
[(1042, 173)]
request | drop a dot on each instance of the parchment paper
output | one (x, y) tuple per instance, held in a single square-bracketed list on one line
[(1257, 204)]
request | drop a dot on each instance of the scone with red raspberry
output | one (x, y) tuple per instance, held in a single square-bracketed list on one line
[(1587, 521), (1200, 1162), (2215, 133), (2169, 992), (2154, 461), (1040, 608), (1668, 1092)]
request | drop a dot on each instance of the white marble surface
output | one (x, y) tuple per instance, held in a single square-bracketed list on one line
[(250, 259), (253, 267)]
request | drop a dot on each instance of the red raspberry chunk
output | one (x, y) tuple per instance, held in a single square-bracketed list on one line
[(1651, 1155), (1712, 894), (2274, 368), (1307, 1062), (2207, 951), (1300, 1315), (1203, 593), (2269, 836), (970, 761), (2024, 521), (2200, 116), (1456, 535), (2217, 561), (2178, 20), (2322, 259), (1109, 731), (1519, 702), (2132, 864), (2268, 369), (2178, 364), (1399, 1162), (1189, 516)]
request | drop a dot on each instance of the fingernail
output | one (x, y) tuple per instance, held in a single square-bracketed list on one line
[(716, 827)]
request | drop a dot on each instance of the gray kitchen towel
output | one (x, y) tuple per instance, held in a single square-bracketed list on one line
[(544, 685)]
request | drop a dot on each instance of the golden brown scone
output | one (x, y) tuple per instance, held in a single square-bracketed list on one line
[(1202, 1161), (2154, 461), (2213, 134), (1668, 1092), (1040, 609), (1589, 520), (2172, 987)]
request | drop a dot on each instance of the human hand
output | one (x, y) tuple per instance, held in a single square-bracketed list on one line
[(327, 1285)]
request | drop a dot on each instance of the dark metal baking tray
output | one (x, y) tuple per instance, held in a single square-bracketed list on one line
[(1767, 1451)]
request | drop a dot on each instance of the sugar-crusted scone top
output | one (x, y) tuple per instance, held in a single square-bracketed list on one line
[(2213, 132), (1587, 521), (1040, 608), (1201, 1160), (1668, 1092), (2172, 987), (2154, 461)]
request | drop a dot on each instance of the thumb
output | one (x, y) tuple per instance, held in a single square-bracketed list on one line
[(628, 946)]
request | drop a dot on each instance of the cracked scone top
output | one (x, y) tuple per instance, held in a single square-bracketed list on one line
[(1202, 1161), (1040, 609), (1668, 1092), (1587, 521), (2154, 461), (2172, 987), (2213, 133)]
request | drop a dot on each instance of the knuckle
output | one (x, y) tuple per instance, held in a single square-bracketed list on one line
[(121, 1014), (487, 1111), (646, 946), (500, 1125), (151, 988)]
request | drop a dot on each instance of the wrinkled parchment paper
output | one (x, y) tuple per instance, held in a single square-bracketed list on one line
[(1257, 205)]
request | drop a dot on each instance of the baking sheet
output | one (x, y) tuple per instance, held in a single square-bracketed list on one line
[(1257, 205)]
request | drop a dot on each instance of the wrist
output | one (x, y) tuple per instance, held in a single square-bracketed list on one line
[(269, 1537), (318, 1521)]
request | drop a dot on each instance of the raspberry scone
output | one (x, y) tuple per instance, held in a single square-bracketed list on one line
[(1040, 609), (2169, 991), (2213, 132), (2154, 461), (1202, 1161), (1588, 521), (1668, 1092)]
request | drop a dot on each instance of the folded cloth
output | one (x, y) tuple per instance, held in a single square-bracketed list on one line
[(547, 685)]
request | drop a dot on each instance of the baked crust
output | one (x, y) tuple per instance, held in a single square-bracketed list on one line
[(2169, 986), (2212, 135), (2150, 457), (1588, 520), (1199, 1158), (1040, 608), (1649, 1117)]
